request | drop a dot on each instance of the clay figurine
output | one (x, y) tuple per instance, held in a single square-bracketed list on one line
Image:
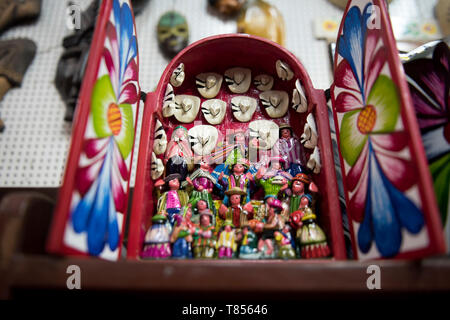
[(226, 242), (181, 237), (312, 239), (203, 183), (273, 223), (173, 33), (204, 239), (238, 178), (301, 184), (236, 212), (178, 156), (248, 248), (156, 243), (285, 243), (274, 180), (173, 200), (288, 147)]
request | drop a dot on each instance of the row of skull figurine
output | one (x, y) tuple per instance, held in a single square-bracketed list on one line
[(263, 208)]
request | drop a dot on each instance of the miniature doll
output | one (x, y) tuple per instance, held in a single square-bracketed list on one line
[(285, 243), (273, 223), (226, 243), (181, 236), (203, 183), (174, 199), (274, 180), (204, 237), (156, 243), (299, 199), (311, 238), (237, 213), (288, 147), (178, 156), (249, 244), (238, 178)]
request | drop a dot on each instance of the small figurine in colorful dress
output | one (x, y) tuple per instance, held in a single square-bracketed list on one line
[(289, 148), (312, 239), (181, 236), (237, 213), (204, 238), (237, 179), (156, 243), (178, 157), (203, 183), (299, 199), (226, 243), (173, 200), (275, 180), (285, 243), (249, 244), (273, 223)]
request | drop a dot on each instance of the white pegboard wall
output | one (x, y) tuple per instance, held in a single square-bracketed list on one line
[(34, 146)]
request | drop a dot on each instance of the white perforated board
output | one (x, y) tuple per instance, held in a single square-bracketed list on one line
[(34, 146)]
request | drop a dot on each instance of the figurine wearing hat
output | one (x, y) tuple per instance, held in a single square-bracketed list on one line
[(274, 180), (204, 237), (237, 213), (273, 223), (301, 184), (237, 179), (226, 243), (174, 199), (289, 148)]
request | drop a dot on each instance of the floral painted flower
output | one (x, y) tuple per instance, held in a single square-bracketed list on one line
[(372, 138), (100, 182), (429, 82)]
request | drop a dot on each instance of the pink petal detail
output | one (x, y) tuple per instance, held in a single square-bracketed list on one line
[(401, 172), (345, 78), (346, 101), (117, 191), (374, 70), (395, 141), (372, 38), (92, 147), (120, 164), (113, 73), (356, 172), (128, 94), (85, 176), (131, 72), (358, 200)]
